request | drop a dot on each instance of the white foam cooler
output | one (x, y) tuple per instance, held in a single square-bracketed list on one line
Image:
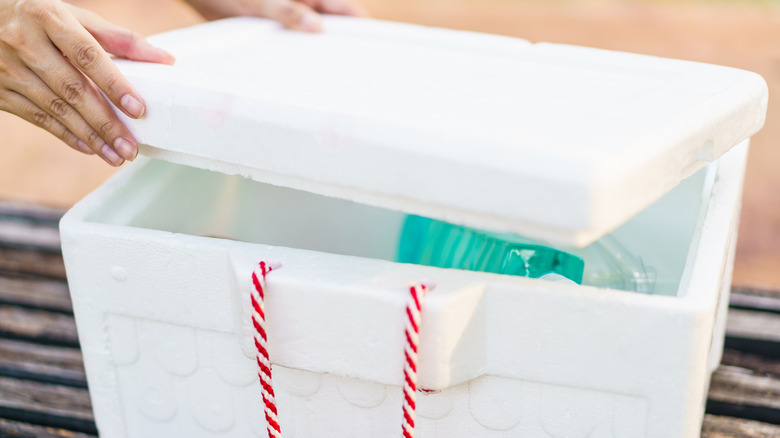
[(266, 144)]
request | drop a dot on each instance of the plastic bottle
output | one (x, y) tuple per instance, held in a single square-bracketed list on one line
[(609, 264), (430, 242), (605, 263)]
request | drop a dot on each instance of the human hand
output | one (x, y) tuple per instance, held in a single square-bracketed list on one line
[(293, 14), (54, 63)]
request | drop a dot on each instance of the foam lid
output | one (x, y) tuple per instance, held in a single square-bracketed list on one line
[(551, 141)]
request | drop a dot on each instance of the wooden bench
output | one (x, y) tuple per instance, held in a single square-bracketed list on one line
[(43, 388)]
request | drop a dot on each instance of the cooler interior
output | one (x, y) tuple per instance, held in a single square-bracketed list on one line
[(181, 199)]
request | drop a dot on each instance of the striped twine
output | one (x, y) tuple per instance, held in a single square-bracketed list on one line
[(261, 344), (417, 292)]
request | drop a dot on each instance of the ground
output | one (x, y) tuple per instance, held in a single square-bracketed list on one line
[(36, 168)]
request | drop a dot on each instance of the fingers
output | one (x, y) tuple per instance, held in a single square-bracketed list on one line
[(69, 95), (291, 14), (56, 86), (64, 112), (129, 45), (16, 103), (120, 41), (338, 7), (80, 106), (86, 54), (302, 15), (60, 93)]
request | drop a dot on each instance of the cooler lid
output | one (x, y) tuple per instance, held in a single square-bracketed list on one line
[(551, 141)]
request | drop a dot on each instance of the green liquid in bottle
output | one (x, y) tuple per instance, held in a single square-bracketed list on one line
[(430, 242)]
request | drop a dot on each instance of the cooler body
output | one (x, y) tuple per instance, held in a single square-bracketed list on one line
[(159, 262)]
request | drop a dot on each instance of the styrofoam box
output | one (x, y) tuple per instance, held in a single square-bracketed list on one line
[(159, 258), (160, 293)]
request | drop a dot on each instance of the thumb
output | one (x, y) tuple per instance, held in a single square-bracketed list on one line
[(120, 41), (291, 14)]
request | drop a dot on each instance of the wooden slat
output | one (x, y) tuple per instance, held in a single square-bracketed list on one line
[(16, 429), (37, 213), (30, 234), (754, 325), (36, 293), (727, 427), (30, 241), (756, 363), (42, 363), (754, 331), (741, 293), (47, 405), (741, 386), (40, 397), (31, 262), (755, 301), (38, 326), (738, 392)]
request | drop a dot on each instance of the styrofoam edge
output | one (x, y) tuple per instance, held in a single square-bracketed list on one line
[(716, 231)]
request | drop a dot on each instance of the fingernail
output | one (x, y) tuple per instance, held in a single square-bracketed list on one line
[(84, 148), (125, 149), (311, 22), (132, 106), (110, 156), (168, 58)]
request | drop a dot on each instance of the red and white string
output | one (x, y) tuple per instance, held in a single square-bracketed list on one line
[(261, 344), (417, 292)]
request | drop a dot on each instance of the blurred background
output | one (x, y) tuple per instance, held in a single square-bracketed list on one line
[(35, 168)]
